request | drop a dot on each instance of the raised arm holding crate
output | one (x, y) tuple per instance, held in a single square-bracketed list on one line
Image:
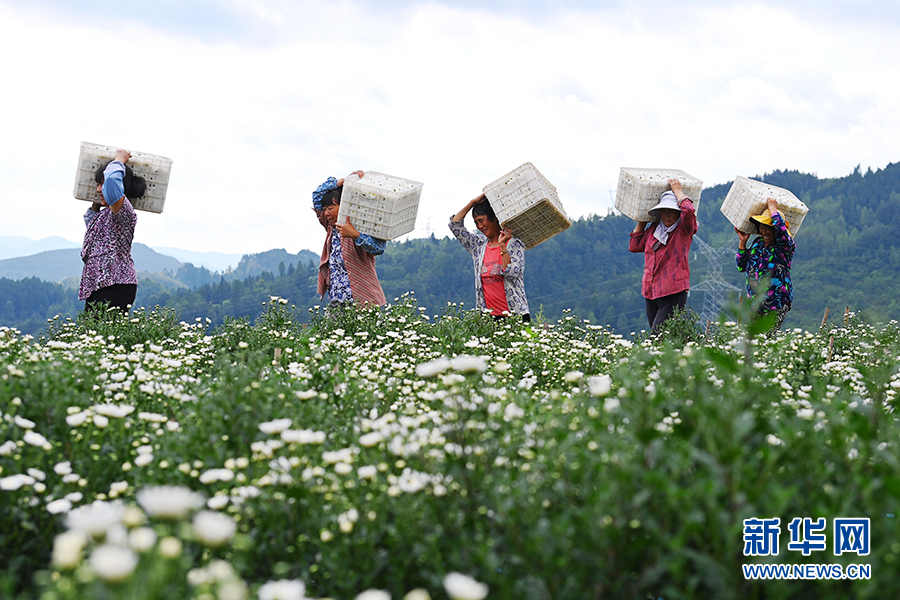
[(498, 259), (347, 265)]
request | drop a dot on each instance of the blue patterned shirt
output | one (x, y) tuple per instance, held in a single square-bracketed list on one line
[(773, 261), (339, 286)]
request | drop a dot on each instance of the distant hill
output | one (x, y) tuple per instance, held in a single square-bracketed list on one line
[(847, 256), (12, 246), (56, 265), (214, 261)]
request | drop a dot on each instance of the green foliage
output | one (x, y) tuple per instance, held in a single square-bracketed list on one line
[(381, 448)]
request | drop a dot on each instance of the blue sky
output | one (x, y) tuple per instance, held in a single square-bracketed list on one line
[(258, 101)]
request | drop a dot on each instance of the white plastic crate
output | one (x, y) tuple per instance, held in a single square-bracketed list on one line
[(747, 197), (528, 205), (640, 190), (380, 205), (154, 169)]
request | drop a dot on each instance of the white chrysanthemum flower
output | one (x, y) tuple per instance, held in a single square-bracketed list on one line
[(67, 549), (276, 426), (212, 475), (468, 364), (59, 506), (170, 547), (463, 587), (33, 438), (574, 376), (611, 404), (96, 518), (367, 472), (113, 410), (168, 501), (374, 595), (152, 417), (600, 385), (433, 368), (217, 502), (303, 436), (63, 468), (513, 412), (23, 422), (77, 419), (143, 460), (283, 589), (370, 439), (417, 594), (7, 448), (100, 421), (213, 529), (113, 563), (141, 539)]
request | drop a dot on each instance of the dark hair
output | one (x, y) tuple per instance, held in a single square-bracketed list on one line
[(332, 197), (484, 208), (135, 186)]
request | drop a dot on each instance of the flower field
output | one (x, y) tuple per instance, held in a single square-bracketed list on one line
[(389, 454)]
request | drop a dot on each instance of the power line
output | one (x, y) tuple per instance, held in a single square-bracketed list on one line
[(714, 285)]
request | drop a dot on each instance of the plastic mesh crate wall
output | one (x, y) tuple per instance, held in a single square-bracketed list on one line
[(640, 189), (380, 205), (528, 205), (747, 197), (154, 169)]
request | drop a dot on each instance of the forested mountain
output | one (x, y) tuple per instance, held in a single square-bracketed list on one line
[(845, 257)]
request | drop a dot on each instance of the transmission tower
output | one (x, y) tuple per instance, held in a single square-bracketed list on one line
[(714, 285)]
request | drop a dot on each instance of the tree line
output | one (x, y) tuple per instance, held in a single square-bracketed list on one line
[(846, 256)]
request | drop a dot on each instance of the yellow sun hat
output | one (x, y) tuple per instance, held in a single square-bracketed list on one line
[(766, 219)]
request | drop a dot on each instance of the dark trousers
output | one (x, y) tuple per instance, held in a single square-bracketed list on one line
[(120, 295), (660, 309), (526, 317)]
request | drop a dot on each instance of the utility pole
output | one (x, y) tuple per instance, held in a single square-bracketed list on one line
[(714, 285)]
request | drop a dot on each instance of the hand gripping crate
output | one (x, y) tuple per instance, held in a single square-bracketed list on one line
[(747, 197), (640, 190), (528, 205), (154, 169), (380, 205)]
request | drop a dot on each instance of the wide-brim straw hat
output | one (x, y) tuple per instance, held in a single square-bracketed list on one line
[(667, 200), (766, 219)]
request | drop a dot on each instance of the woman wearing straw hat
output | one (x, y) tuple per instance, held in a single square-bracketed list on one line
[(667, 276), (769, 255)]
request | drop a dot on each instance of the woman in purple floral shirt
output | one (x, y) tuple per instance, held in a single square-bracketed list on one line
[(108, 276)]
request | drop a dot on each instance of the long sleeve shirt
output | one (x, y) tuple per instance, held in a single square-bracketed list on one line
[(666, 268), (106, 250), (773, 261), (338, 280), (513, 274)]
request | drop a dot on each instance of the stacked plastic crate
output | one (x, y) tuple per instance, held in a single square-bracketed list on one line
[(383, 206), (640, 189), (747, 198), (528, 205), (154, 169)]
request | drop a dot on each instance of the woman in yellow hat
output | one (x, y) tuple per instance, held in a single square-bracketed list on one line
[(769, 255)]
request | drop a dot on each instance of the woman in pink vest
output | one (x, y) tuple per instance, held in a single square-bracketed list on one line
[(667, 276), (347, 265)]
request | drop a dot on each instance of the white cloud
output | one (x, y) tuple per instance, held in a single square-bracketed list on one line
[(258, 112)]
